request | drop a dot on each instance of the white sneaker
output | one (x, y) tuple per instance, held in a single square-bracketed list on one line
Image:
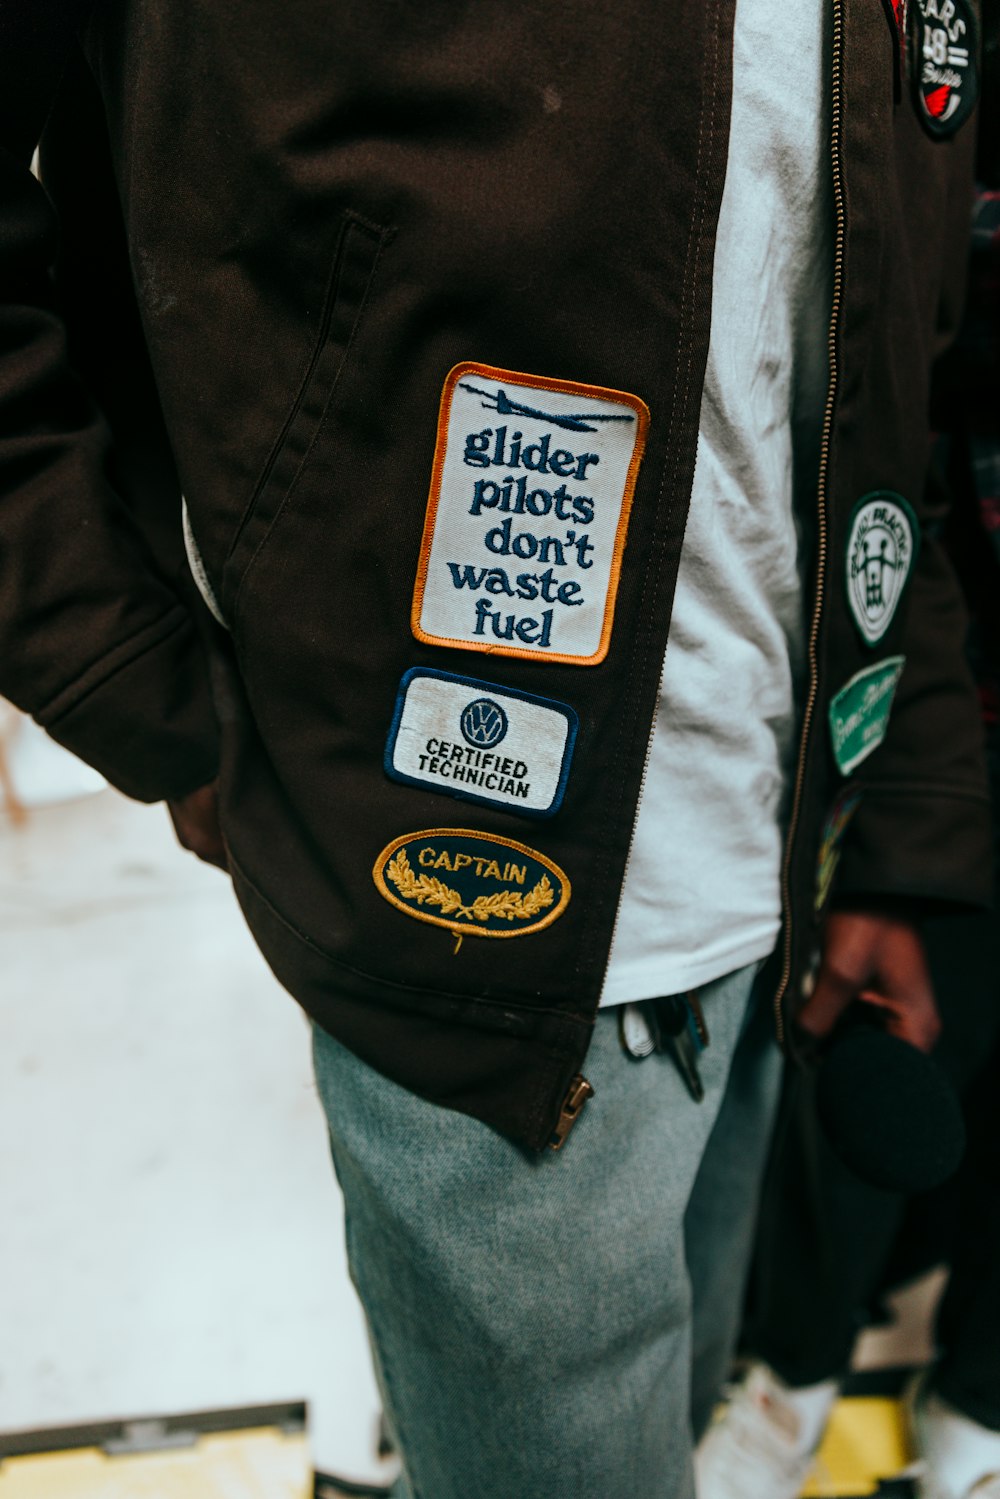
[(927, 1487), (959, 1459), (763, 1445)]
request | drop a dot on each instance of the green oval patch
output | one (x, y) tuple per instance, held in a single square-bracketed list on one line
[(476, 884)]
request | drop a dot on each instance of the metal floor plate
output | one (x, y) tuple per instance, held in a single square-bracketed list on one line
[(266, 1464)]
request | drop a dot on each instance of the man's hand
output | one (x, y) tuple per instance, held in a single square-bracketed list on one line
[(878, 959), (196, 822)]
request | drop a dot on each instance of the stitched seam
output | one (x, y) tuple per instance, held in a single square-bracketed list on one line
[(99, 673), (681, 402), (390, 1385), (923, 790), (321, 424), (959, 891)]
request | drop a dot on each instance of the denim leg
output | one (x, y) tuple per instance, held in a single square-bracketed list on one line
[(531, 1316), (722, 1213)]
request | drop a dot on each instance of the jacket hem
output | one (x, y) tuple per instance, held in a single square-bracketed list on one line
[(101, 672), (900, 831), (507, 1065), (504, 1014)]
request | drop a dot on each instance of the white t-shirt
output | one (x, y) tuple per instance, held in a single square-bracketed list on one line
[(702, 889)]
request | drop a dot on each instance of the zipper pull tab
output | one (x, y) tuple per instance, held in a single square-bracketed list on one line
[(577, 1094)]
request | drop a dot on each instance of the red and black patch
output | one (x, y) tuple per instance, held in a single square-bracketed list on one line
[(945, 64), (897, 12)]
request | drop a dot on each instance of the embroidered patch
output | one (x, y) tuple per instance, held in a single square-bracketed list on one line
[(834, 828), (896, 10), (899, 10), (480, 742), (882, 546), (475, 884), (859, 714), (945, 65), (528, 510)]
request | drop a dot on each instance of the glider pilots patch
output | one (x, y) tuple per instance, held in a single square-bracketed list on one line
[(528, 511)]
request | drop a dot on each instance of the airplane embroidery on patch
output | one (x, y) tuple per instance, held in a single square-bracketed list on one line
[(500, 402)]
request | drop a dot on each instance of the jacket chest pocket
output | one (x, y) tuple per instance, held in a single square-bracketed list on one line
[(359, 247)]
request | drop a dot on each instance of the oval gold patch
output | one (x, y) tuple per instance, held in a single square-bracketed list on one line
[(475, 884)]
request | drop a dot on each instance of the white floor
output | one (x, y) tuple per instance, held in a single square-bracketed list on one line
[(170, 1229)]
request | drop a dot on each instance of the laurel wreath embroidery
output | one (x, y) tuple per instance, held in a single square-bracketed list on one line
[(505, 905)]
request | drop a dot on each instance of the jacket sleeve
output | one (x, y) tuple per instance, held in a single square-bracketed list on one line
[(93, 642), (922, 831)]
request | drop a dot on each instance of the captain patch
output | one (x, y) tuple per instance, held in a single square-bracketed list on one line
[(475, 884), (881, 549), (859, 714), (481, 743), (946, 68), (528, 510)]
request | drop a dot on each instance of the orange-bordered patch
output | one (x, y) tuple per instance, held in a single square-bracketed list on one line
[(530, 497)]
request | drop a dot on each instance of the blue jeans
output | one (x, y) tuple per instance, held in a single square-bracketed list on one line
[(560, 1325)]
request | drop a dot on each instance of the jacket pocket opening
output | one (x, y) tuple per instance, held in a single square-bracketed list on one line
[(359, 246)]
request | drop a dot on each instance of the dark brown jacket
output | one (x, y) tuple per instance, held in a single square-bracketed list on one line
[(323, 209)]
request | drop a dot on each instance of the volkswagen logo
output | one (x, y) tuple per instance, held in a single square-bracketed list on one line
[(483, 723)]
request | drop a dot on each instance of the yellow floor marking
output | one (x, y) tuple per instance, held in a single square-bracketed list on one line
[(262, 1464), (866, 1440)]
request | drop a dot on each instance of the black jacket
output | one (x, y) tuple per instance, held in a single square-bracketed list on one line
[(282, 226)]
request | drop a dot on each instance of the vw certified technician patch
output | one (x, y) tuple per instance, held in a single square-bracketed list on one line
[(480, 742), (881, 549), (475, 884), (529, 505), (859, 714), (945, 65)]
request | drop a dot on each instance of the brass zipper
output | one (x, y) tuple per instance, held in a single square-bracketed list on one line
[(577, 1094), (645, 768), (821, 507), (635, 820), (836, 103)]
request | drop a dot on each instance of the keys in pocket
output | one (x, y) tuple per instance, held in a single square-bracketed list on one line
[(674, 1023)]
